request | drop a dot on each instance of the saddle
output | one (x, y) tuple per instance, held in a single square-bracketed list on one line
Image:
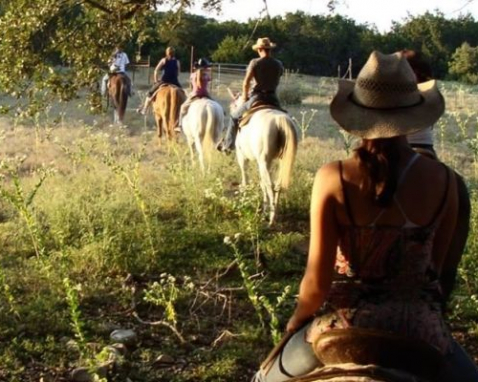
[(375, 347), (194, 98), (123, 74), (256, 106), (161, 85)]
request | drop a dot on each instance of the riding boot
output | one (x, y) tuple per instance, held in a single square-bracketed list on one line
[(143, 109), (178, 128), (104, 85), (234, 129), (228, 143)]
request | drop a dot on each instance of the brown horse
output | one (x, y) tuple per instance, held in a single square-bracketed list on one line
[(119, 88), (166, 107)]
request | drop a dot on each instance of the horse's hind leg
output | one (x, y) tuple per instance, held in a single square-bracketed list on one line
[(159, 128), (191, 151), (243, 167), (277, 190), (267, 189), (197, 143)]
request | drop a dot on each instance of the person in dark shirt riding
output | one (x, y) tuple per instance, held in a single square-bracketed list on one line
[(266, 71), (170, 66)]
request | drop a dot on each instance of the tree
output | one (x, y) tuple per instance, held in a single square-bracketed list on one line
[(52, 48), (232, 49), (464, 63)]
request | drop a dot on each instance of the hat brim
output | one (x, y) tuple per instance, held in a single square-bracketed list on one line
[(271, 46), (371, 123)]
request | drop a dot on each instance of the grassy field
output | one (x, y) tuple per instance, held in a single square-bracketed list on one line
[(102, 230)]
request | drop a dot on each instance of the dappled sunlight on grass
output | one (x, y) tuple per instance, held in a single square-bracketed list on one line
[(82, 248)]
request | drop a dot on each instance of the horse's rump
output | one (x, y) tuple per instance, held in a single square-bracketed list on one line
[(120, 81), (119, 89), (204, 120), (271, 134), (166, 107)]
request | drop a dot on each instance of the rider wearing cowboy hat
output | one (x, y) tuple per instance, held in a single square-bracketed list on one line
[(266, 71), (200, 79)]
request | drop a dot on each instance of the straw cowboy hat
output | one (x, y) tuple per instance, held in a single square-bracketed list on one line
[(263, 43), (385, 101)]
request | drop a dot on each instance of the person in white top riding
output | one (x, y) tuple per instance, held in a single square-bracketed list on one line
[(116, 64)]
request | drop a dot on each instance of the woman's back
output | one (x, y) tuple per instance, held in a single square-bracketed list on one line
[(387, 271), (419, 194)]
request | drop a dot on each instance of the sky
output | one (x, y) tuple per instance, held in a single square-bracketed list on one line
[(381, 13)]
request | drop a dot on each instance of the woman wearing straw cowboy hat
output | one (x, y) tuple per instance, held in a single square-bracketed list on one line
[(381, 223), (266, 71)]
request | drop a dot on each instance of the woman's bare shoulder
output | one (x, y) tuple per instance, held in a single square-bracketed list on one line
[(328, 169), (328, 176), (434, 170)]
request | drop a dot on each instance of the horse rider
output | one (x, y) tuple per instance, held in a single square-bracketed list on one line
[(170, 67), (199, 79), (266, 72), (116, 64)]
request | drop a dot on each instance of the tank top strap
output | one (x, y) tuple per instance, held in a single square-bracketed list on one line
[(410, 163), (344, 192), (440, 210)]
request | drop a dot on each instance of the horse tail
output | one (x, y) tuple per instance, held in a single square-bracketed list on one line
[(209, 118), (123, 91), (174, 107), (289, 150), (213, 126)]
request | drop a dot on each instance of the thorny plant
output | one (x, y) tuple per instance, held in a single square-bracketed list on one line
[(348, 141), (462, 122), (305, 121), (246, 205), (259, 301), (442, 125), (22, 200), (7, 293), (472, 144), (165, 294), (77, 325), (131, 177), (85, 150)]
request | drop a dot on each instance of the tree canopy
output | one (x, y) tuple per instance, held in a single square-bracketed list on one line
[(52, 49), (39, 37)]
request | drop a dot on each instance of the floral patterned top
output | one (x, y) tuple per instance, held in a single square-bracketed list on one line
[(385, 280)]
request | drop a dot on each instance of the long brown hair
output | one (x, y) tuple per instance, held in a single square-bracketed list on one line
[(199, 74), (421, 67), (379, 162)]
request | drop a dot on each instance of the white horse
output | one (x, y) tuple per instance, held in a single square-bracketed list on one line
[(270, 134), (203, 125)]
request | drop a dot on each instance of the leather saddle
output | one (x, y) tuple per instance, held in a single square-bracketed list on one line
[(375, 347), (256, 106)]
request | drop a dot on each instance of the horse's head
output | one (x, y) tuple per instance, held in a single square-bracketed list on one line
[(236, 101)]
